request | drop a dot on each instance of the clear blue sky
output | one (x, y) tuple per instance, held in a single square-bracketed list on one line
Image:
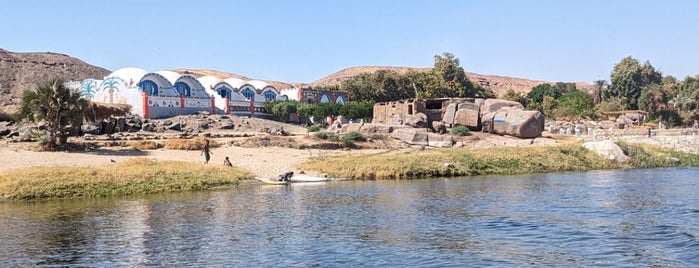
[(304, 40)]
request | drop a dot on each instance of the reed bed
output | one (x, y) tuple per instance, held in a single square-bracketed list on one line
[(135, 176), (570, 156)]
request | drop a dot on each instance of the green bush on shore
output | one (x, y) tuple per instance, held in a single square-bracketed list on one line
[(651, 156), (460, 131), (399, 164), (135, 176)]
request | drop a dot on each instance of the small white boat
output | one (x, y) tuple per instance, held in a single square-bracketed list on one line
[(267, 181), (307, 178)]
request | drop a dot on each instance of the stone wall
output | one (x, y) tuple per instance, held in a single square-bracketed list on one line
[(396, 113), (440, 114)]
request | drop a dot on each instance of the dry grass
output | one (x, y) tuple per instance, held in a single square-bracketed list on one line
[(196, 143), (146, 145), (98, 111), (135, 176)]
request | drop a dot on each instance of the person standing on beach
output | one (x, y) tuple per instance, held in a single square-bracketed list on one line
[(206, 151)]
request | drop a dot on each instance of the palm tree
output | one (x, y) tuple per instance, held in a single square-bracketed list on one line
[(598, 91), (88, 88), (681, 103), (111, 84), (59, 107)]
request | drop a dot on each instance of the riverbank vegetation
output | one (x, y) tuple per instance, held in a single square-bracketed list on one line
[(571, 156), (146, 176), (135, 176)]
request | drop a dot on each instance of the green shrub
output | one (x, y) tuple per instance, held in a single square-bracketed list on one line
[(322, 135), (460, 131), (314, 128), (352, 137), (334, 138), (378, 137)]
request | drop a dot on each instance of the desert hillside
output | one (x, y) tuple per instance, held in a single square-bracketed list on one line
[(22, 71)]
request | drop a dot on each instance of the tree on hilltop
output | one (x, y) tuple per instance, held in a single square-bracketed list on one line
[(445, 80)]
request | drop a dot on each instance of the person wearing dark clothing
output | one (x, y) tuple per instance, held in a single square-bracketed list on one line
[(285, 176), (206, 151)]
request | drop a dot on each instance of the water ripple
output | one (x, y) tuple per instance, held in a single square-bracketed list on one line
[(622, 218)]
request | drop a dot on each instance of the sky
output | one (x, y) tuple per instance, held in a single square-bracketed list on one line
[(306, 40)]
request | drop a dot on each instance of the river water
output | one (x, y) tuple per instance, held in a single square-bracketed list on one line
[(642, 217)]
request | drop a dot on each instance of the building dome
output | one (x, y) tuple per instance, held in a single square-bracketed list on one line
[(257, 84), (129, 74), (169, 75), (235, 82), (209, 81)]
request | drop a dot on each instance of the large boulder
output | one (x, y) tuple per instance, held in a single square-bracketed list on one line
[(174, 126), (449, 114), (439, 127), (418, 120), (493, 105), (479, 102), (437, 140), (467, 114), (375, 128), (607, 149), (346, 128), (412, 136), (149, 127), (518, 123), (487, 123), (226, 124)]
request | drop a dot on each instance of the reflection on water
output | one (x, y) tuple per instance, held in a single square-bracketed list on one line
[(631, 217)]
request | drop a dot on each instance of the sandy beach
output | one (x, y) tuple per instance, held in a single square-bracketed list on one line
[(263, 161)]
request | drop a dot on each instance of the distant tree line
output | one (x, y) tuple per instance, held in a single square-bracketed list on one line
[(445, 80), (632, 86), (319, 111)]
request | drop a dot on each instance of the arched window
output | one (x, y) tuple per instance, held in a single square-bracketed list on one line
[(149, 87), (249, 94), (183, 89), (324, 99), (340, 100), (270, 96), (224, 92)]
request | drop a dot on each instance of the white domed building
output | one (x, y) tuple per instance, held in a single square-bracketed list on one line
[(166, 93)]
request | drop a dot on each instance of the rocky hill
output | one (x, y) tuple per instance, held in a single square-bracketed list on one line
[(499, 84), (22, 71)]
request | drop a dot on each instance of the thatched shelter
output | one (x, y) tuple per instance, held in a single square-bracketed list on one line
[(99, 111)]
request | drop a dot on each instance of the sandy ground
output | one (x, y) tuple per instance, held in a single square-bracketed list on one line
[(263, 161)]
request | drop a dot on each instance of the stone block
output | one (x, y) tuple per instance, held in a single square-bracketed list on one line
[(411, 136), (438, 140)]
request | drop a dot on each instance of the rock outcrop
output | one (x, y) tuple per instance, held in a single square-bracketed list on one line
[(22, 71), (607, 149)]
